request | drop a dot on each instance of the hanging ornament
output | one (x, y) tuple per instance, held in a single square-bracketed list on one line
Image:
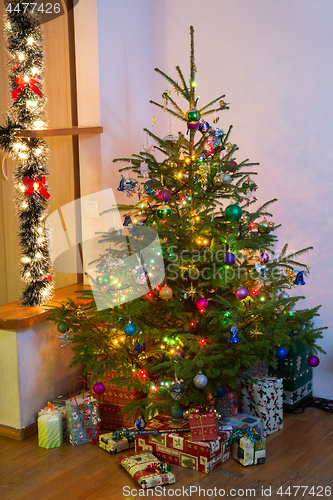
[(79, 312), (262, 272), (219, 177), (144, 170), (99, 387), (265, 227), (203, 172), (130, 329), (164, 195), (65, 338), (249, 185), (313, 361), (63, 327), (140, 424), (299, 280), (281, 352), (264, 257), (203, 126), (139, 348), (128, 185), (283, 295), (241, 293), (177, 389), (200, 380), (201, 303), (180, 353), (148, 187), (234, 335), (226, 179), (233, 213), (140, 274), (232, 166), (176, 412), (127, 220), (171, 139), (220, 391), (193, 117), (163, 212), (229, 259), (165, 293), (255, 332)]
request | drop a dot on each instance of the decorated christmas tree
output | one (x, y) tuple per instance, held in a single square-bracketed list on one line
[(223, 304)]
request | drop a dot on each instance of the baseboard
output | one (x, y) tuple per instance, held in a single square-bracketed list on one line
[(18, 434)]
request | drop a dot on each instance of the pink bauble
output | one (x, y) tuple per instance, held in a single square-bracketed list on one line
[(264, 258), (164, 196), (201, 303), (313, 361), (241, 293), (99, 387), (233, 165)]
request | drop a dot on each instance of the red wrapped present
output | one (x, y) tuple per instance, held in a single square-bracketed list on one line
[(162, 424), (180, 449), (111, 419), (232, 402), (203, 426)]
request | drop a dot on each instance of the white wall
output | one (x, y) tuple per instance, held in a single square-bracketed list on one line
[(274, 62)]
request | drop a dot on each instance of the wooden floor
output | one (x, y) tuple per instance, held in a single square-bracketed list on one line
[(299, 455)]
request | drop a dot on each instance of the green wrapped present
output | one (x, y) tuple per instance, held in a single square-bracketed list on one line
[(116, 441), (249, 448), (296, 374)]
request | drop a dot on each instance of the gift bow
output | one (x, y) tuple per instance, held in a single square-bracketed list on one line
[(37, 184), (122, 433), (159, 467), (21, 83), (248, 433)]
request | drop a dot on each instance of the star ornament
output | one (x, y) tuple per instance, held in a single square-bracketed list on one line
[(153, 121), (255, 332)]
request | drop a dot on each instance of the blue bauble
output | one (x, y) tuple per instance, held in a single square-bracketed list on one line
[(139, 348), (229, 259), (148, 187), (220, 391), (130, 329), (140, 424), (176, 412), (203, 126), (281, 353)]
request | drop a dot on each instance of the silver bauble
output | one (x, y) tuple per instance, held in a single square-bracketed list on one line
[(226, 179), (283, 295), (200, 380)]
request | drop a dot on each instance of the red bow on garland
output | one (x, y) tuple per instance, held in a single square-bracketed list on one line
[(36, 184), (21, 83)]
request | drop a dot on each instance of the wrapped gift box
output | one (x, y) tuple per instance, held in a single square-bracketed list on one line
[(143, 468), (162, 424), (264, 399), (296, 374), (231, 402), (249, 448), (112, 419), (203, 426), (242, 421), (181, 449), (114, 442)]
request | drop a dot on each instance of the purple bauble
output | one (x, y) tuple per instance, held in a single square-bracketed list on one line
[(229, 259), (193, 125), (241, 293), (164, 196), (201, 303), (264, 258), (180, 353), (99, 387), (313, 361)]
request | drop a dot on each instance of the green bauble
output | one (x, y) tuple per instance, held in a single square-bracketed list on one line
[(164, 211), (63, 327), (193, 115), (176, 412), (264, 227), (233, 213)]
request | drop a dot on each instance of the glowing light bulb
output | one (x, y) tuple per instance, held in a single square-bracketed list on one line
[(172, 351), (162, 346), (23, 156), (39, 124), (22, 188), (202, 342), (38, 151), (44, 293), (26, 260), (34, 71), (180, 175), (150, 294), (24, 205), (40, 240), (26, 78), (35, 185), (31, 104), (17, 146), (38, 255), (40, 230), (21, 57), (30, 40)]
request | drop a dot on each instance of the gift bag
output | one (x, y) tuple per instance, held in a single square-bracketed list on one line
[(82, 418)]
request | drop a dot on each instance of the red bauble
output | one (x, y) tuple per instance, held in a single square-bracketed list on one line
[(201, 303)]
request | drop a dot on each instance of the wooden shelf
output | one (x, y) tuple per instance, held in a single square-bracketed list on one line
[(13, 316), (56, 132)]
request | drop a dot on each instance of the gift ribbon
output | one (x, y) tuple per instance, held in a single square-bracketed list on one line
[(35, 184), (159, 467), (120, 434), (21, 83)]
